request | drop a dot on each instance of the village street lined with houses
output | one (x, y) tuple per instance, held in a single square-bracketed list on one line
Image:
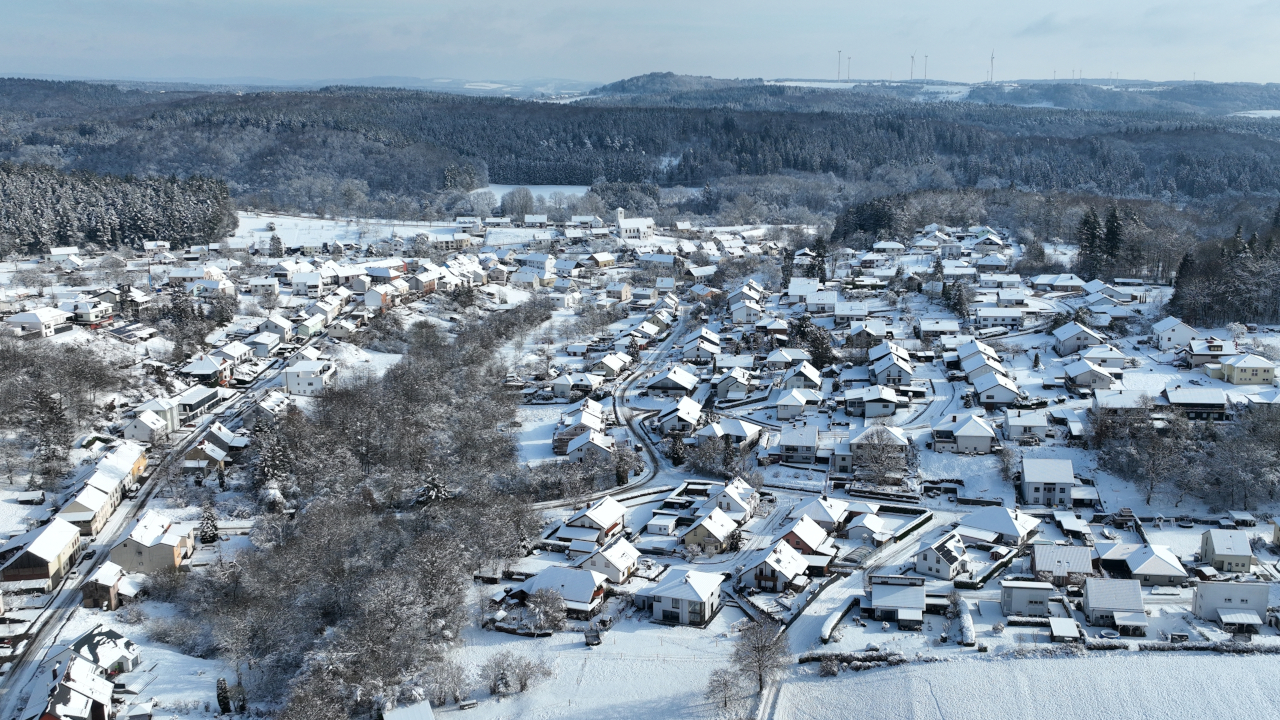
[(751, 472)]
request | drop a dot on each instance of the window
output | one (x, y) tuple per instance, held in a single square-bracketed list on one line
[(675, 602)]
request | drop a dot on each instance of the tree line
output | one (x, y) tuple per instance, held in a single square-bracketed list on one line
[(41, 207)]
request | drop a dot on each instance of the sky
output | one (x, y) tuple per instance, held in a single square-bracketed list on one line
[(605, 40)]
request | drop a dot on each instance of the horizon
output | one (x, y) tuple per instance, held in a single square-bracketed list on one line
[(298, 43)]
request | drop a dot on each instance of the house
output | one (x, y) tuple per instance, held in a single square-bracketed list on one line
[(616, 561), (1047, 481), (799, 445), (829, 514), (992, 263), (877, 440), (898, 598), (1199, 403), (1226, 550), (146, 427), (685, 597), (582, 590), (277, 325), (808, 538), (734, 380), (674, 380), (711, 533), (1061, 565), (1010, 527), (773, 569), (1115, 603), (48, 551), (736, 499), (738, 432), (1065, 282), (154, 544), (999, 317), (682, 417), (892, 370), (1146, 564), (1248, 370), (605, 517), (1072, 337), (635, 229), (68, 687), (214, 450), (569, 383), (1198, 352), (611, 365), (309, 377), (415, 711), (1171, 334), (745, 312), (963, 434), (591, 445), (871, 402), (944, 559), (932, 329), (796, 402), (1238, 608), (977, 365), (89, 511), (996, 390), (803, 375), (1084, 374), (42, 322), (106, 588), (850, 312), (1019, 598), (787, 357)]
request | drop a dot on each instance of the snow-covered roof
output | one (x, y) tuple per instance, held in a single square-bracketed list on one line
[(1072, 328), (688, 585), (781, 557), (46, 542), (986, 382), (1113, 594), (809, 532), (575, 585), (716, 522), (1168, 324), (889, 435), (153, 529), (1002, 520), (820, 509), (1230, 542), (605, 513)]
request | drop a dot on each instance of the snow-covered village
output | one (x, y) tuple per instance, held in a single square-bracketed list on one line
[(729, 471)]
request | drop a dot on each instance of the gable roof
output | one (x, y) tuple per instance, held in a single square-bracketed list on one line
[(1168, 324), (821, 509), (1073, 328), (575, 585), (604, 512), (986, 382), (686, 409), (809, 532), (1001, 520), (781, 557), (716, 522), (1113, 594)]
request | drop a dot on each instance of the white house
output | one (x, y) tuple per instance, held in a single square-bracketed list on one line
[(1118, 603), (309, 377), (685, 597), (1171, 334), (1072, 337), (616, 561), (1010, 527), (1238, 608), (682, 417), (1226, 550), (944, 559), (146, 427), (605, 517), (44, 321), (803, 375), (963, 434), (591, 445), (773, 569), (995, 389), (1047, 482), (1020, 598)]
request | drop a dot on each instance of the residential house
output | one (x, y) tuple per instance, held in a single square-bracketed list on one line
[(673, 380), (89, 511), (682, 417), (711, 532), (106, 588), (69, 687), (1248, 369), (42, 322), (1073, 337), (892, 370), (1020, 598), (1062, 565), (1004, 317), (1116, 603), (1084, 374), (1198, 352), (996, 390), (848, 313), (1009, 527), (1025, 423), (774, 569), (829, 514), (1226, 550), (263, 344), (604, 518), (278, 325), (786, 357), (1047, 482), (146, 427), (738, 432), (611, 365), (47, 552), (877, 441), (932, 329), (745, 312), (1065, 282), (216, 449), (1199, 403), (309, 377), (963, 434), (1147, 564), (153, 545), (565, 385), (871, 402), (944, 559), (734, 380), (591, 445), (796, 402), (582, 589), (616, 561), (799, 445), (808, 538), (898, 598), (1172, 334), (685, 597), (1239, 608), (736, 499), (803, 375)]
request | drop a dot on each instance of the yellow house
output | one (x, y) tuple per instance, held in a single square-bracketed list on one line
[(711, 532), (1248, 370)]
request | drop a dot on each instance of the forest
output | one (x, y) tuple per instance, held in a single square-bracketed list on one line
[(352, 150), (41, 207)]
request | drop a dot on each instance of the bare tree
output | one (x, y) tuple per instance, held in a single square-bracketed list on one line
[(724, 686), (761, 652), (545, 610)]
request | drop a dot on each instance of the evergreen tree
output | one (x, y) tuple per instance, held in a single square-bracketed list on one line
[(272, 467), (224, 697), (277, 246), (49, 426), (208, 526), (1089, 242), (1113, 234)]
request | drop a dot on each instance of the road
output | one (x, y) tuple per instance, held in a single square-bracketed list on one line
[(67, 598)]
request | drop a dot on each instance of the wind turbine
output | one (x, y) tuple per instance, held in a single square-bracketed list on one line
[(839, 62), (913, 66), (993, 66), (926, 67)]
